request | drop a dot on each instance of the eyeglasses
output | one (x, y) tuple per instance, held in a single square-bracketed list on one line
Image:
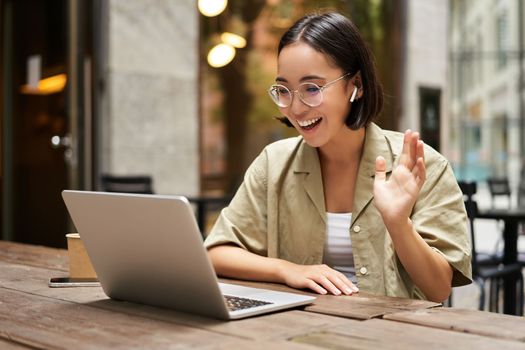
[(309, 93)]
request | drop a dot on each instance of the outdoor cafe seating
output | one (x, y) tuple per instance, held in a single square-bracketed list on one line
[(500, 187), (142, 184), (487, 267)]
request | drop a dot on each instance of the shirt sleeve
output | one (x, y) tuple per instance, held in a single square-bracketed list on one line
[(244, 222), (440, 218)]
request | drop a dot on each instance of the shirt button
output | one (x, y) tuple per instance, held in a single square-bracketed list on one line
[(357, 228), (363, 270)]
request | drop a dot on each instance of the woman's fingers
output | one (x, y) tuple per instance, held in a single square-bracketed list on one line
[(335, 282), (339, 280), (422, 172), (321, 279), (405, 152), (411, 150), (348, 283), (380, 169), (342, 286), (419, 171), (328, 285), (414, 141), (315, 287), (420, 153)]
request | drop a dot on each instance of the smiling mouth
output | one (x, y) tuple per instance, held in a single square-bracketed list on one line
[(309, 124)]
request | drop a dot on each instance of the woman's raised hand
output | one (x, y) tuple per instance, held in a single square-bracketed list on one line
[(395, 197)]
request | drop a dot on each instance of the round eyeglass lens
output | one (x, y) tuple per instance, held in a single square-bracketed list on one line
[(280, 95), (311, 94)]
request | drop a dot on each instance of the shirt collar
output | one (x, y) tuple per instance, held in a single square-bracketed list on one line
[(307, 163), (376, 144)]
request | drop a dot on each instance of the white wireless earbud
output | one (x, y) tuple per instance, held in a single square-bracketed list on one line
[(354, 94)]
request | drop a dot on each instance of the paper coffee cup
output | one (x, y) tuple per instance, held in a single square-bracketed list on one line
[(79, 263)]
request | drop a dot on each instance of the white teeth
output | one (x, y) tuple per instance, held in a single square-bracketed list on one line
[(304, 123)]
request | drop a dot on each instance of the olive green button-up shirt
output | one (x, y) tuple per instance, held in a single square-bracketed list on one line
[(279, 212)]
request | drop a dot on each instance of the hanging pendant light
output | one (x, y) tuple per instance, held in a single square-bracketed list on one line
[(212, 8), (234, 40), (220, 55)]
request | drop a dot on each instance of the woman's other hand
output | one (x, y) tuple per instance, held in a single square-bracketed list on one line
[(319, 278), (235, 262)]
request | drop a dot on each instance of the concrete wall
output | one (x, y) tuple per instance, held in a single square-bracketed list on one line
[(149, 123), (426, 61)]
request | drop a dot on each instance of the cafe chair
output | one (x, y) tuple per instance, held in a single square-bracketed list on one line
[(127, 184), (486, 268), (206, 205), (469, 189), (521, 204), (521, 193), (499, 187)]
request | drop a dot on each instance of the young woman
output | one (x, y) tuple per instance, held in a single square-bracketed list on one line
[(345, 206)]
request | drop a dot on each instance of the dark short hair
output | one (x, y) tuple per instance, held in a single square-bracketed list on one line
[(336, 36)]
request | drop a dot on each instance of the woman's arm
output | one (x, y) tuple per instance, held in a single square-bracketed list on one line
[(426, 267), (233, 261), (237, 245), (395, 199)]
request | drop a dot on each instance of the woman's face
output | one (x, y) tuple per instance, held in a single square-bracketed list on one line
[(299, 63)]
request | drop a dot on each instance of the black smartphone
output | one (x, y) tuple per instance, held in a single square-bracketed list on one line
[(73, 282)]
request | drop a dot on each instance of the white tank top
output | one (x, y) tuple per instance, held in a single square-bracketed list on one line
[(338, 246)]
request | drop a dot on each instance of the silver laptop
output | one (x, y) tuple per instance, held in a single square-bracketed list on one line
[(148, 249)]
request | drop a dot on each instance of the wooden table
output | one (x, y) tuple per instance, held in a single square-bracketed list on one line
[(511, 218), (32, 315)]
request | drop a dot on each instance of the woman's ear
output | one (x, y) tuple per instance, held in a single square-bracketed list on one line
[(354, 94), (356, 82)]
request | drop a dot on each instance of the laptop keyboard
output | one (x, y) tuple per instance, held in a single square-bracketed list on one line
[(237, 303)]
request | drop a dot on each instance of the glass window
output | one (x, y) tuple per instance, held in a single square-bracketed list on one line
[(502, 39), (498, 147)]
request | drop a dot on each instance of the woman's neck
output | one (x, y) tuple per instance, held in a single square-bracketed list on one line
[(345, 148)]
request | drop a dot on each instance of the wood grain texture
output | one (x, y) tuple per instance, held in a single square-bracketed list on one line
[(360, 306), (381, 334), (53, 324), (32, 315), (467, 321), (11, 345), (275, 326), (40, 321), (33, 255)]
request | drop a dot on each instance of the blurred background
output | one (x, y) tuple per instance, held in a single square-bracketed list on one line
[(171, 95)]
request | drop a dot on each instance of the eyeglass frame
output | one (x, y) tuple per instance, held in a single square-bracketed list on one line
[(293, 92)]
